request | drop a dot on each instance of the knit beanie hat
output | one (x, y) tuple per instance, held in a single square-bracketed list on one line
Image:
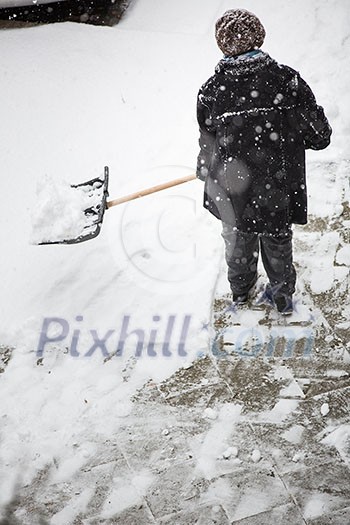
[(239, 31)]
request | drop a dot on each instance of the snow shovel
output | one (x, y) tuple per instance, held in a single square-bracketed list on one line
[(96, 191)]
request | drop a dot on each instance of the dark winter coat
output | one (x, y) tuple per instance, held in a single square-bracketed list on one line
[(256, 119)]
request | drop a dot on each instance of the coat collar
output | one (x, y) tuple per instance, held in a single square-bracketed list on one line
[(245, 63)]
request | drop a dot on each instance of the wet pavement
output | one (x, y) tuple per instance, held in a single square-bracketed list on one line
[(256, 431), (233, 438)]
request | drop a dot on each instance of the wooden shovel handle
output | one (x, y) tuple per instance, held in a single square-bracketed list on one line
[(148, 191)]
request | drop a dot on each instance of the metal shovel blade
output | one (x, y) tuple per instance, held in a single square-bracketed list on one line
[(96, 191)]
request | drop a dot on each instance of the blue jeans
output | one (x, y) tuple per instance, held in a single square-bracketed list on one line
[(242, 253)]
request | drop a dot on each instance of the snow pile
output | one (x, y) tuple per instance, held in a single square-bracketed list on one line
[(340, 439), (281, 411), (256, 455), (230, 452), (215, 442), (326, 267), (59, 214), (343, 255), (324, 409), (125, 494), (294, 434), (317, 505)]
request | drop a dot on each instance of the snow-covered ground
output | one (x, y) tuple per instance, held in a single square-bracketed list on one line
[(77, 98)]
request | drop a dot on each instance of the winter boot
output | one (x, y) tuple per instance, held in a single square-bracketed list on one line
[(242, 298), (284, 304)]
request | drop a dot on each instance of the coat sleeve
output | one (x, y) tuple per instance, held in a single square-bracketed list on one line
[(207, 134), (314, 126)]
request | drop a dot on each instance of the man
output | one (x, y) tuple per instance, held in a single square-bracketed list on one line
[(256, 119)]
